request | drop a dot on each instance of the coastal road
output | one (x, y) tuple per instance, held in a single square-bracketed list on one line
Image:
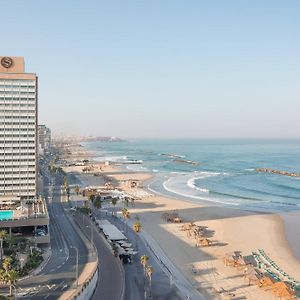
[(60, 271), (162, 287), (111, 282), (111, 275)]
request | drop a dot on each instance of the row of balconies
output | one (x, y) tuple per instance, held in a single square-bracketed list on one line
[(8, 171), (15, 136), (17, 114), (16, 158), (7, 165), (5, 88), (17, 181), (17, 91), (16, 143), (9, 142), (12, 97), (5, 109), (17, 174), (17, 151), (16, 106), (15, 129), (23, 180), (16, 100), (12, 124), (17, 82)]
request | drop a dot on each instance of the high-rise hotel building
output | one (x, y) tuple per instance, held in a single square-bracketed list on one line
[(18, 130)]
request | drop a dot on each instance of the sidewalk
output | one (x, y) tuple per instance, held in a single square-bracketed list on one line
[(187, 290)]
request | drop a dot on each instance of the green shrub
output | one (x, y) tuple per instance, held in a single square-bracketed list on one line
[(84, 210)]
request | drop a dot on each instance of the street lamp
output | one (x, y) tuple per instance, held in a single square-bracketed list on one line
[(22, 262), (92, 232), (77, 255), (15, 290)]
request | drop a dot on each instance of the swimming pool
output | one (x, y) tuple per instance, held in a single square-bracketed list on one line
[(6, 214)]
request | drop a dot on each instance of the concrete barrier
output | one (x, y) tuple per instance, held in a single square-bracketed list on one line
[(88, 278), (87, 293)]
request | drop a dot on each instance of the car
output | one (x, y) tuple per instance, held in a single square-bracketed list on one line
[(41, 233)]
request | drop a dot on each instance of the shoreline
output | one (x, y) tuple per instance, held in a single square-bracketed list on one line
[(234, 230), (285, 217), (225, 222)]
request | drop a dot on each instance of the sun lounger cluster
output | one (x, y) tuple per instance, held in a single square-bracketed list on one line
[(198, 233), (281, 289), (172, 217), (272, 268), (235, 260), (263, 275)]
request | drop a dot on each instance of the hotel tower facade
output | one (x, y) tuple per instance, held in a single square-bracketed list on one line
[(18, 130)]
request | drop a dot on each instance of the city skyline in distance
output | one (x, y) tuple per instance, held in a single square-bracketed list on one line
[(162, 69)]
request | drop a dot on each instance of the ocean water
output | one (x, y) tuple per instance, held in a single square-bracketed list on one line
[(219, 172)]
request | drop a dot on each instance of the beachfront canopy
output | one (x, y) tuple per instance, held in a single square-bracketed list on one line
[(111, 231)]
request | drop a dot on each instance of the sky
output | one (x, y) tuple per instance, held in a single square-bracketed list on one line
[(161, 68)]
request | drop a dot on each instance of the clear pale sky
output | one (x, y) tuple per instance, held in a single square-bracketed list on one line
[(161, 68)]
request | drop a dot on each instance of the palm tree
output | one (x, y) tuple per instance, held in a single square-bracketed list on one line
[(66, 184), (126, 201), (3, 234), (137, 228), (132, 202), (10, 277), (77, 189), (68, 192), (124, 212), (144, 262), (98, 202), (2, 275), (149, 272), (126, 215), (92, 197), (6, 264), (114, 202)]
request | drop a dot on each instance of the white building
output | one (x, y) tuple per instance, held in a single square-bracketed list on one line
[(44, 138), (18, 129)]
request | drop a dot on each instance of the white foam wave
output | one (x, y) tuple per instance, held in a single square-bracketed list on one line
[(202, 190), (172, 155), (110, 158), (251, 170), (137, 168), (216, 200), (180, 173), (210, 174), (191, 183)]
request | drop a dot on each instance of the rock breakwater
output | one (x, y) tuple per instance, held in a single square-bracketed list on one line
[(268, 170)]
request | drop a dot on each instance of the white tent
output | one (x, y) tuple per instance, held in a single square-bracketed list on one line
[(112, 232)]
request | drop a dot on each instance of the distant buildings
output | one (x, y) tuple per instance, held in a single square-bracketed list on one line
[(44, 138)]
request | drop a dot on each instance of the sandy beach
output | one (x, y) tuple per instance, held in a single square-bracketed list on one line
[(230, 230)]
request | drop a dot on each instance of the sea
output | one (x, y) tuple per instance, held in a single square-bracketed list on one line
[(213, 171)]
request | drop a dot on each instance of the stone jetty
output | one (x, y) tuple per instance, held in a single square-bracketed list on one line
[(268, 170)]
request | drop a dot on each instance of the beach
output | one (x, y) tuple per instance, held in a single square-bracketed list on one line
[(230, 230)]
